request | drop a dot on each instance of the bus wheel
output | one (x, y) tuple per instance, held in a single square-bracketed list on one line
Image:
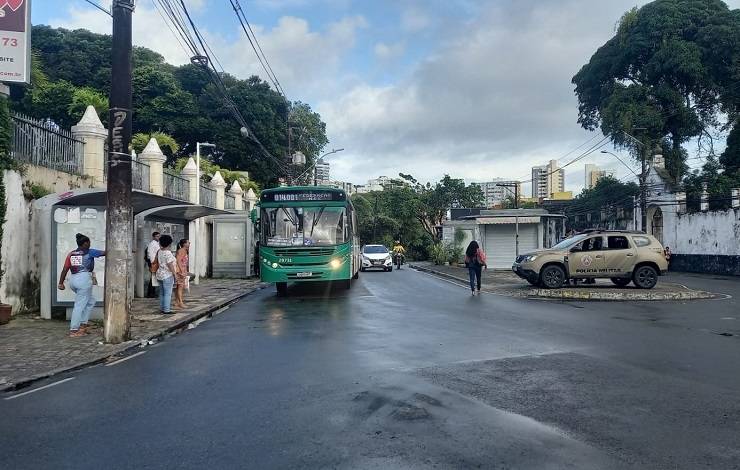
[(357, 275), (282, 288)]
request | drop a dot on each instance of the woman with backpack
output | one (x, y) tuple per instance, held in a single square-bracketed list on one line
[(475, 260)]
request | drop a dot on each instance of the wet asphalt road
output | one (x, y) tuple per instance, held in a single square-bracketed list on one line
[(405, 371)]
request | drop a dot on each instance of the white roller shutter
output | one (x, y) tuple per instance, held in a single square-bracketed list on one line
[(500, 243)]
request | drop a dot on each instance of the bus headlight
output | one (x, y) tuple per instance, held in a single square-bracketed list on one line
[(274, 265), (335, 263)]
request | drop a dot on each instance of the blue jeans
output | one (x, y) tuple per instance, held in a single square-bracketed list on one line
[(475, 272), (82, 285), (165, 293)]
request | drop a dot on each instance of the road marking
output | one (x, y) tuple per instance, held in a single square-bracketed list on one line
[(40, 388), (125, 359)]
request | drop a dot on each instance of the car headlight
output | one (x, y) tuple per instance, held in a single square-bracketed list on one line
[(388, 258), (335, 263), (530, 258)]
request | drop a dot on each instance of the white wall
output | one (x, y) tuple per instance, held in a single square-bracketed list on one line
[(19, 251), (707, 233)]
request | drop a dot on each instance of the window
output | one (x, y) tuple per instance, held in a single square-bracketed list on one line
[(375, 250), (618, 242), (590, 244), (641, 241), (304, 226)]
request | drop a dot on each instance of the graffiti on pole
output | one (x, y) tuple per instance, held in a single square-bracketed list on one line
[(15, 41), (118, 151)]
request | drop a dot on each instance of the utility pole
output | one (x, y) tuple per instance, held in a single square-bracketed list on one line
[(644, 156), (515, 185), (119, 221)]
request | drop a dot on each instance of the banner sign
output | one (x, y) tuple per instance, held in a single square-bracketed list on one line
[(15, 41), (302, 195), (504, 220)]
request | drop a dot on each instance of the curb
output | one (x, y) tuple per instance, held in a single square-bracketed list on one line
[(123, 348), (593, 296)]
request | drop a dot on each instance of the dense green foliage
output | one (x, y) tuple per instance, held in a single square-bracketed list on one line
[(412, 212), (668, 75), (72, 69), (608, 195)]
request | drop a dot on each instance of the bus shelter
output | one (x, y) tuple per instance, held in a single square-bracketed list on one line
[(63, 215)]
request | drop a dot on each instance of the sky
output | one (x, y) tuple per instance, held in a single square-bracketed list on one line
[(478, 89)]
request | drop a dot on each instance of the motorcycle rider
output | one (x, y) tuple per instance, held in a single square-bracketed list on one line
[(398, 250)]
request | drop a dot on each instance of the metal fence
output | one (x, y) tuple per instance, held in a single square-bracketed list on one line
[(207, 196), (229, 202), (140, 176), (44, 143), (176, 187)]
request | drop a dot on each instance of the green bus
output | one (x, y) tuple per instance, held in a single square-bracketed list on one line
[(307, 234)]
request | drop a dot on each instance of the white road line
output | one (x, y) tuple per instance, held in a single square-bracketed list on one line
[(40, 388), (125, 359)]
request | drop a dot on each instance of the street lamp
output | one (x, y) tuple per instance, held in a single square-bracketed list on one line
[(198, 145)]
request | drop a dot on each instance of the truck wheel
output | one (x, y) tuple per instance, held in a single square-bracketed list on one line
[(645, 277), (621, 281), (552, 277), (282, 288)]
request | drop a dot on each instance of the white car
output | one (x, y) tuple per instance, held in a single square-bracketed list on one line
[(376, 257)]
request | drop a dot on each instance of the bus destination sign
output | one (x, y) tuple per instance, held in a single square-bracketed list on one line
[(303, 196)]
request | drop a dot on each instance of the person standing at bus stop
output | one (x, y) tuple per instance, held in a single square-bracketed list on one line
[(475, 260), (166, 265), (81, 263)]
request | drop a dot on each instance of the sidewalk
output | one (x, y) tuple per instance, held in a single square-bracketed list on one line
[(32, 348), (507, 283)]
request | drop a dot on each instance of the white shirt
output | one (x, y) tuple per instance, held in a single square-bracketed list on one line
[(165, 258), (151, 250)]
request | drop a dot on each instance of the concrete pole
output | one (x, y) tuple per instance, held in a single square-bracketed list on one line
[(251, 199), (219, 185), (91, 131), (119, 222), (237, 191), (152, 155)]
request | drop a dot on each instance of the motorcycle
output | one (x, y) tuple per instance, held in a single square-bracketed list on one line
[(398, 260)]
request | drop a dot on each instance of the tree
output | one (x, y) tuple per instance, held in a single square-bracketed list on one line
[(166, 142), (609, 194), (432, 203), (730, 158), (661, 72), (84, 97), (71, 69)]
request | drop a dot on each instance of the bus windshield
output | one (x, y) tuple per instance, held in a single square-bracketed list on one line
[(304, 226)]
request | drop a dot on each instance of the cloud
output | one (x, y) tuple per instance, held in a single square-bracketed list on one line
[(385, 51), (494, 99), (304, 59), (415, 19), (148, 29)]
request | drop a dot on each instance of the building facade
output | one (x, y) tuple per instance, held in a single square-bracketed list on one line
[(499, 190), (593, 174), (547, 179), (323, 173)]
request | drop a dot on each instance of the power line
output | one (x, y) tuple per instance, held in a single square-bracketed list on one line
[(252, 38), (203, 56)]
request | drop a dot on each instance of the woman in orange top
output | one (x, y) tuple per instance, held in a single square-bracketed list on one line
[(475, 260)]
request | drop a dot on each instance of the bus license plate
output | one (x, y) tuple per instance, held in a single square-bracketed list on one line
[(309, 274)]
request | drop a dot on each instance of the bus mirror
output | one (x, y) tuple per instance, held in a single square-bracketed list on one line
[(254, 216)]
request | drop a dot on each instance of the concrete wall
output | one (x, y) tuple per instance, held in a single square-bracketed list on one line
[(20, 282), (21, 244), (706, 242), (708, 233)]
